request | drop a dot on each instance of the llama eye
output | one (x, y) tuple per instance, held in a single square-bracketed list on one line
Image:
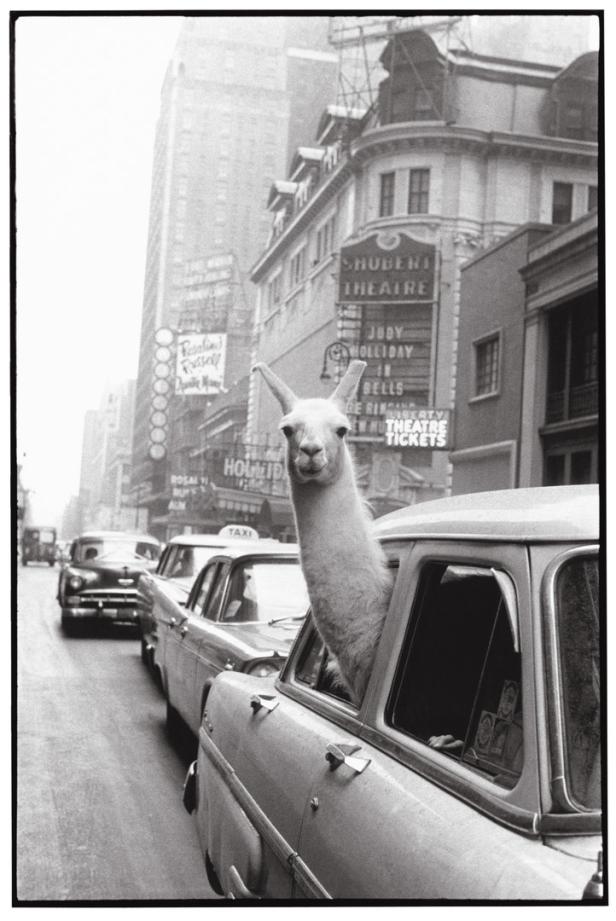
[(287, 431), (341, 432)]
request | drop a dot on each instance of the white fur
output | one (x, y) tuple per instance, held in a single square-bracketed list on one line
[(343, 563)]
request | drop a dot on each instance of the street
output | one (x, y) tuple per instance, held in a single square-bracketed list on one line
[(99, 808)]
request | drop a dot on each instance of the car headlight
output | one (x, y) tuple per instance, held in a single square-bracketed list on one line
[(78, 578), (263, 669), (75, 582)]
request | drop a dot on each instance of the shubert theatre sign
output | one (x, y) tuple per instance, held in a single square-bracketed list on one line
[(388, 267), (390, 278)]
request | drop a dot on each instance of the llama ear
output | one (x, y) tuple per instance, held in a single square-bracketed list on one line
[(281, 391), (347, 387)]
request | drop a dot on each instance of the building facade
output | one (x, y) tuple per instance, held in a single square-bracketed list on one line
[(527, 400), (237, 92), (372, 226)]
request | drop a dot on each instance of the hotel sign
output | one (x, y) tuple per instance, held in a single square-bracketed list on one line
[(387, 267)]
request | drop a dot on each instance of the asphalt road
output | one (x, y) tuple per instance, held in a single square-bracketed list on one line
[(99, 810)]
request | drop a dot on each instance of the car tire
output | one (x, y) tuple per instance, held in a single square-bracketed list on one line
[(212, 876), (51, 562), (24, 562)]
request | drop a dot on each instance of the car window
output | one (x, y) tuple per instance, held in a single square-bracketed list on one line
[(577, 612), (314, 669), (185, 561), (116, 549), (458, 683), (206, 583), (265, 590), (217, 592)]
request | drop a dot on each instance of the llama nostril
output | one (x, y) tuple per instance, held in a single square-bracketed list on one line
[(310, 449)]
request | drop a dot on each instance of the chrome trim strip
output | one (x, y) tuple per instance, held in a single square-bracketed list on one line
[(278, 844), (503, 811), (556, 727)]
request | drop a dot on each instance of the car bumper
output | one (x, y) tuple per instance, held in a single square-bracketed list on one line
[(102, 612)]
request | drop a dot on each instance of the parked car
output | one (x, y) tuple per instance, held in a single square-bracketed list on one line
[(180, 563), (242, 614), (38, 545), (472, 767), (100, 581)]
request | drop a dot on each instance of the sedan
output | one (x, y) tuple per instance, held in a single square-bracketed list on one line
[(100, 581), (242, 615), (471, 769)]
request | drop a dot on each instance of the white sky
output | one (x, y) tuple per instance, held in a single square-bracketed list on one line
[(87, 99)]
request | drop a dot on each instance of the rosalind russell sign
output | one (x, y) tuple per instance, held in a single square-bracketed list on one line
[(386, 267)]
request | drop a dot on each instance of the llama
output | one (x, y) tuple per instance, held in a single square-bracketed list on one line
[(344, 565)]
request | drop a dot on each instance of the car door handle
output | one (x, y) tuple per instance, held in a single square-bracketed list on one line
[(183, 631), (341, 753), (267, 701)]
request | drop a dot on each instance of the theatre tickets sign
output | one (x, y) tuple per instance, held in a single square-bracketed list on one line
[(387, 267)]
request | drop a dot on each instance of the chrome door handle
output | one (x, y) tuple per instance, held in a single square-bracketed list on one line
[(183, 631), (267, 701), (341, 753), (172, 623)]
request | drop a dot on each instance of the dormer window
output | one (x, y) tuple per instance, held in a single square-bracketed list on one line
[(423, 109)]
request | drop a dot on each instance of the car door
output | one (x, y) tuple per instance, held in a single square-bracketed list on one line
[(269, 775), (185, 639), (437, 793)]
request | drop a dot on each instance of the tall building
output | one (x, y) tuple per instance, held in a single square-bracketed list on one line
[(238, 91), (372, 227)]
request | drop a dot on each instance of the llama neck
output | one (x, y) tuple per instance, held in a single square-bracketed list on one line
[(331, 516)]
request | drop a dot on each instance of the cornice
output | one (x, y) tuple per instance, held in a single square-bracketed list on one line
[(403, 136)]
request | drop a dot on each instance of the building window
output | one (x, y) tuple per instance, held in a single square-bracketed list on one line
[(573, 363), (570, 465), (573, 121), (325, 240), (297, 267), (274, 291), (562, 198), (487, 366), (423, 108), (388, 185), (592, 197), (419, 191)]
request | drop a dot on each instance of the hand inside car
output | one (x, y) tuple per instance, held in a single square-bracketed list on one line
[(445, 742)]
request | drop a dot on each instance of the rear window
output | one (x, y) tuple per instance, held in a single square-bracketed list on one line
[(577, 614), (186, 562), (120, 549)]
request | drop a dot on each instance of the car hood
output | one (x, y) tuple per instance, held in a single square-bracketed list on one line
[(266, 638)]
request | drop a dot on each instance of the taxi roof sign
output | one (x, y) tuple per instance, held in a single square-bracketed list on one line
[(239, 530)]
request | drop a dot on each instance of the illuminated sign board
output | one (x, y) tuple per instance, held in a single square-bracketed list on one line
[(200, 364), (419, 428), (387, 267)]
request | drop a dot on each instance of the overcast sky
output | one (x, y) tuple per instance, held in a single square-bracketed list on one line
[(87, 100)]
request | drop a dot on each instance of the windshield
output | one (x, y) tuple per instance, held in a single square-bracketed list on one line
[(264, 591), (185, 562), (117, 549), (577, 606)]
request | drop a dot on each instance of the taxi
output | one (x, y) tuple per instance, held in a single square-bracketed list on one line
[(241, 614), (472, 769)]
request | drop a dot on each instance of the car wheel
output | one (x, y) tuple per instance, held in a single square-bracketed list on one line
[(51, 563), (24, 562), (212, 876)]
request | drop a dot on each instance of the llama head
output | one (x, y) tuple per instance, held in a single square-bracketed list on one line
[(315, 429)]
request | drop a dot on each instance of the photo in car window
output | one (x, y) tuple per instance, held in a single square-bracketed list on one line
[(458, 686)]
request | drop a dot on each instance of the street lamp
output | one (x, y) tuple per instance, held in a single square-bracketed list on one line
[(337, 352)]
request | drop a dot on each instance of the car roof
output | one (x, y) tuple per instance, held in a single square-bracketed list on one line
[(544, 513), (117, 535), (242, 548), (217, 540)]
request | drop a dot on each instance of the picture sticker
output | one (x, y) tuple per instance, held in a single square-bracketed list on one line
[(508, 700), (483, 736)]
